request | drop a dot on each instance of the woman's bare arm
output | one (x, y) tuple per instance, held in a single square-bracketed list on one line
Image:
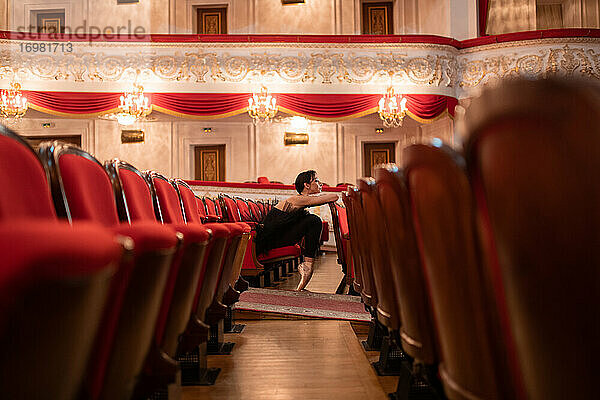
[(313, 200)]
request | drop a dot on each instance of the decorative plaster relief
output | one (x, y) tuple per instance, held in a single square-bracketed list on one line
[(540, 58), (307, 65), (313, 68)]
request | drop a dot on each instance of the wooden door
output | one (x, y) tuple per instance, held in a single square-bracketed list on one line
[(378, 18), (209, 163), (211, 21), (50, 21), (377, 153)]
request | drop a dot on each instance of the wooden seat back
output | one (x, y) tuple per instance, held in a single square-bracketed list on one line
[(376, 236), (473, 356), (533, 155), (417, 330)]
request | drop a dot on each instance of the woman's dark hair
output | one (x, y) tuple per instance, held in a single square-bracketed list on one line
[(304, 177)]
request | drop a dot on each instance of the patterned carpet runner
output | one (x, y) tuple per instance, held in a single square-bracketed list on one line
[(307, 304)]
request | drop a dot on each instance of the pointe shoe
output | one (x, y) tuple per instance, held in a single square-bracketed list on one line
[(306, 270)]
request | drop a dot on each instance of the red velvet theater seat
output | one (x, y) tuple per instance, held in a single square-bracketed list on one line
[(263, 209), (167, 192), (201, 209), (345, 237), (226, 293), (234, 212), (255, 210), (254, 266), (168, 203), (54, 282), (135, 199), (244, 208), (341, 235), (324, 231), (213, 211), (82, 191), (230, 208), (354, 203), (234, 282), (251, 265), (353, 253), (280, 253)]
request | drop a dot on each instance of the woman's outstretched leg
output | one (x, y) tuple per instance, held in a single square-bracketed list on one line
[(313, 226), (306, 271)]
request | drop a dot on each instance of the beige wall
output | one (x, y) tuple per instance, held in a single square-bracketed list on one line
[(155, 153), (4, 15), (80, 15), (283, 163), (591, 14), (312, 16), (434, 17), (131, 16), (103, 139), (454, 18), (62, 127), (244, 16)]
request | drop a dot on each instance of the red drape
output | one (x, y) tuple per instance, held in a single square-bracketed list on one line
[(327, 107), (217, 105), (483, 14), (429, 106), (73, 103)]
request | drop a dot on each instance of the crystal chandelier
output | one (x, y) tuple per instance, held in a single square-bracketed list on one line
[(12, 102), (262, 107), (134, 106), (392, 109)]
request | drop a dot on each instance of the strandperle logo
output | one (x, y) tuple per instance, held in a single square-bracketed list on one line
[(90, 32)]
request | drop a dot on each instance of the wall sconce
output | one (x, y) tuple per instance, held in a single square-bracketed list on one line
[(207, 130), (378, 130), (132, 136), (295, 139)]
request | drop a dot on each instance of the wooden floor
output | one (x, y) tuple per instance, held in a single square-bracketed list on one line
[(297, 359), (285, 360)]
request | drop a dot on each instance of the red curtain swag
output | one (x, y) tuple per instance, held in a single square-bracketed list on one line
[(71, 104), (324, 107)]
